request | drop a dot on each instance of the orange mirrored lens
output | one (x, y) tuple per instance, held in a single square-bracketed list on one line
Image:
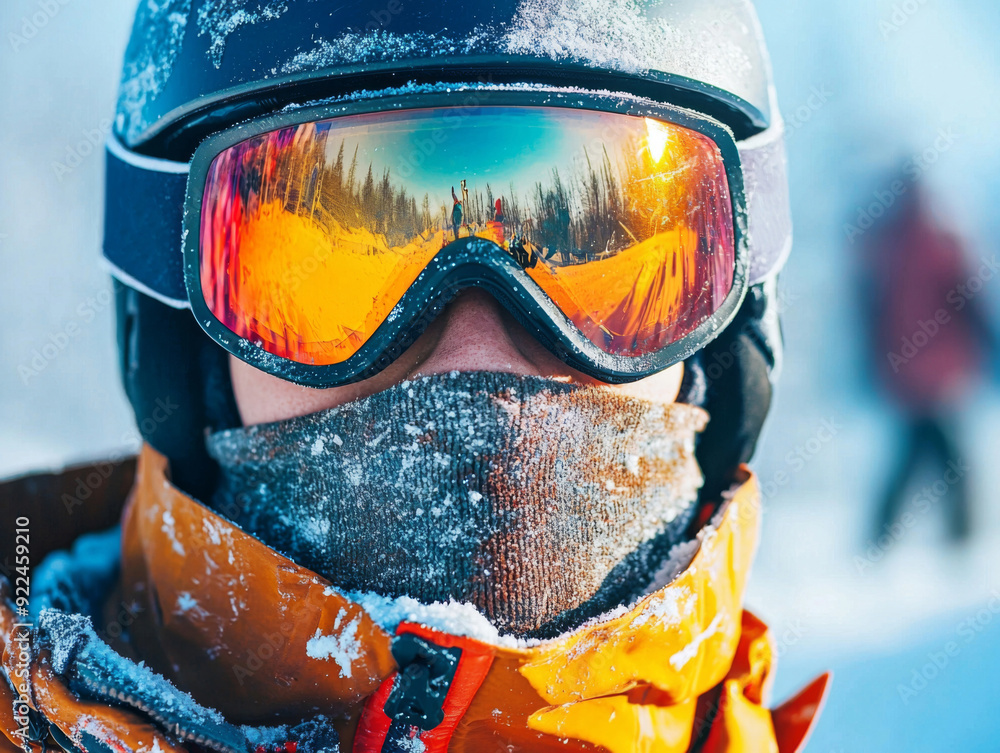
[(659, 242), (311, 234)]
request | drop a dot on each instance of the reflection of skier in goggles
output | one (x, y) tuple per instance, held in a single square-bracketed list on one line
[(522, 251), (514, 513), (456, 212), (494, 229)]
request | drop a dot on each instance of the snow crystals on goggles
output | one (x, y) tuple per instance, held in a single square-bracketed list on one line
[(317, 248)]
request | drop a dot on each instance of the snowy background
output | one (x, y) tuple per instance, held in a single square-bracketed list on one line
[(863, 84)]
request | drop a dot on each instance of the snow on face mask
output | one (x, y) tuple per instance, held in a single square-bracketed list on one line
[(541, 504)]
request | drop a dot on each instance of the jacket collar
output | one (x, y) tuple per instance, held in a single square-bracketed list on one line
[(252, 634)]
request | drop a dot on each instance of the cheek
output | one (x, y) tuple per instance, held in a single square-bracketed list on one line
[(662, 388), (263, 398)]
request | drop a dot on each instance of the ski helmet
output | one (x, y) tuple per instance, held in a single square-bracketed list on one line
[(195, 67)]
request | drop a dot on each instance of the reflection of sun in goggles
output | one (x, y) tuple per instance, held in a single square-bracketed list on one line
[(657, 138), (311, 234)]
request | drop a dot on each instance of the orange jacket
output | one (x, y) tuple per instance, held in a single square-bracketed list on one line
[(236, 625)]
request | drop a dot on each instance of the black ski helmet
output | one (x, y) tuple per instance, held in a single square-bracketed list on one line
[(194, 67)]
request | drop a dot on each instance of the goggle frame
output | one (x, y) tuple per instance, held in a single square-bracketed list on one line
[(468, 262)]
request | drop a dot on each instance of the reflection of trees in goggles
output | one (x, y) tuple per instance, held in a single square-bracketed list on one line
[(594, 206), (567, 188)]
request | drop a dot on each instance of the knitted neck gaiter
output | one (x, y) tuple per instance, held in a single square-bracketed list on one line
[(540, 503)]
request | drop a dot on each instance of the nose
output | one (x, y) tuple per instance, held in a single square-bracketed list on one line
[(474, 333), (477, 334)]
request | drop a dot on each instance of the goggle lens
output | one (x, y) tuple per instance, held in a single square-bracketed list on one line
[(311, 234)]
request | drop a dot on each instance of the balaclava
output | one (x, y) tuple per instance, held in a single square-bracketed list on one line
[(541, 503)]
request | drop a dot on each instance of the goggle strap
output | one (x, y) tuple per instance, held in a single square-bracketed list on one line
[(143, 221), (126, 279), (144, 215), (769, 212)]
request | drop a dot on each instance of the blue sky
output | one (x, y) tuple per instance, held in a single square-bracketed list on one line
[(495, 145)]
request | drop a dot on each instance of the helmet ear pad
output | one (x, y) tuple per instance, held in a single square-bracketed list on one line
[(739, 368), (177, 381)]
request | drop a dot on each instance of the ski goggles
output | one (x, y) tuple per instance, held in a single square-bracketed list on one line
[(319, 243)]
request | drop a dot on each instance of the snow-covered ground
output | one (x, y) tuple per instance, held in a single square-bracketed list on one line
[(909, 625), (863, 84)]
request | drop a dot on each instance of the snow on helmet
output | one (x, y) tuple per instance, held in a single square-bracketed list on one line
[(192, 64)]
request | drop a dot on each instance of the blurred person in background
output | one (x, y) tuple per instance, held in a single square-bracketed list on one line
[(931, 341)]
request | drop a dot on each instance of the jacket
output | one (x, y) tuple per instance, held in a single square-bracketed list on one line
[(182, 633)]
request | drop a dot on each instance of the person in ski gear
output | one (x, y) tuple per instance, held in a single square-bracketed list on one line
[(456, 212), (494, 227), (522, 252), (398, 493), (932, 341)]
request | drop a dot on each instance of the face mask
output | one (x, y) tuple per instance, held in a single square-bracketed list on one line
[(542, 504)]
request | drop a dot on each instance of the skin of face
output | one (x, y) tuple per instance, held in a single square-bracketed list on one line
[(474, 333)]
